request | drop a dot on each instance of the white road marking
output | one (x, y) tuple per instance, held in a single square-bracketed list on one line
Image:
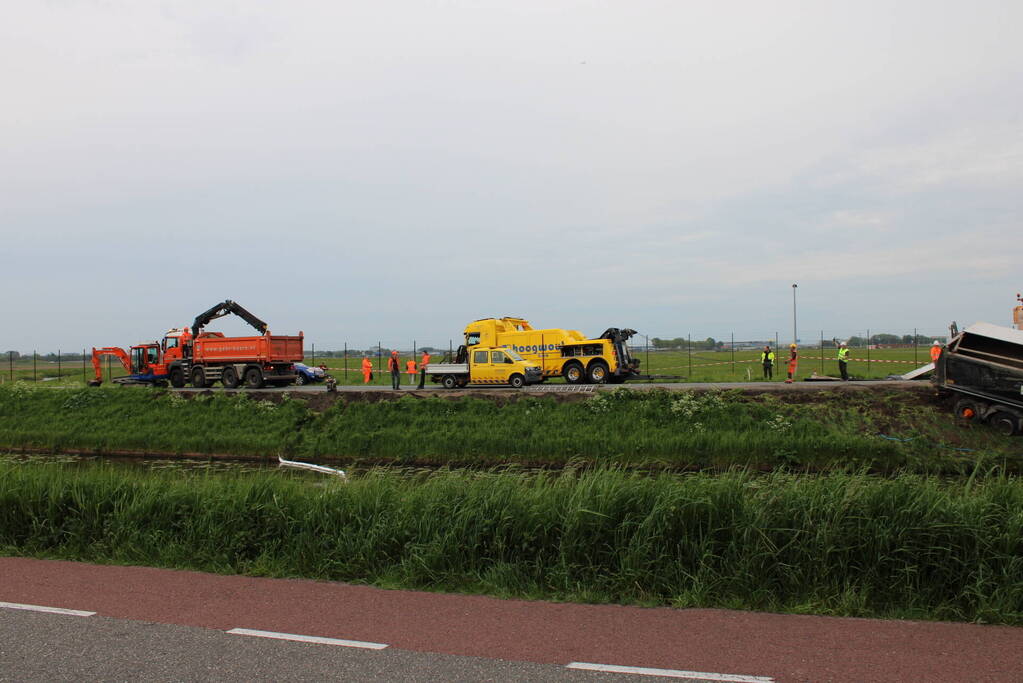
[(669, 673), (50, 610), (307, 639)]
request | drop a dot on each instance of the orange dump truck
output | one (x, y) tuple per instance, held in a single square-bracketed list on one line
[(190, 354), (254, 361)]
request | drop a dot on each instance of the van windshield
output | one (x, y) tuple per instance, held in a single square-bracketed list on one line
[(514, 355)]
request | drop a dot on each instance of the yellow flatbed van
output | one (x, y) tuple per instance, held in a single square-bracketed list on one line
[(486, 365)]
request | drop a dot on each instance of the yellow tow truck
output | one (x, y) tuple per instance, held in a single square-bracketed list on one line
[(485, 365), (560, 353)]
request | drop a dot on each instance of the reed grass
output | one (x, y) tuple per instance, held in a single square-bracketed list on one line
[(844, 543)]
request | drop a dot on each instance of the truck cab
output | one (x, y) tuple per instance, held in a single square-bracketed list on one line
[(486, 365)]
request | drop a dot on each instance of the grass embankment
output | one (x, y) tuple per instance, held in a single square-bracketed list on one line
[(648, 429), (846, 544)]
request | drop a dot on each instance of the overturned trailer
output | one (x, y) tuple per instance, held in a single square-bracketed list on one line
[(982, 367)]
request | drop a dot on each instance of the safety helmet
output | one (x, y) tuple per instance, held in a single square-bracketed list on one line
[(936, 343), (792, 346)]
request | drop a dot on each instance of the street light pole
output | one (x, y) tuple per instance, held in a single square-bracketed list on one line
[(793, 313)]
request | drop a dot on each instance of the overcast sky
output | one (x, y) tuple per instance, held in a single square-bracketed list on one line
[(392, 170)]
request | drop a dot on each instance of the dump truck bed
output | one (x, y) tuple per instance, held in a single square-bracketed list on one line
[(262, 349), (984, 360)]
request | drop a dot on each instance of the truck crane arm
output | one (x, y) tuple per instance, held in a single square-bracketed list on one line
[(121, 355), (226, 308)]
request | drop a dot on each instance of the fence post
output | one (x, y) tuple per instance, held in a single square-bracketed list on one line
[(379, 357), (34, 365), (647, 352), (733, 355), (868, 353), (314, 355), (108, 369), (346, 362), (822, 352), (914, 346), (690, 338), (85, 377), (10, 361), (58, 365)]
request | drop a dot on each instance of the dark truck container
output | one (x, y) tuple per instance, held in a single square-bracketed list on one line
[(982, 367)]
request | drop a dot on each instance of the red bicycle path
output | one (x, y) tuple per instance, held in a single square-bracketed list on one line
[(785, 647)]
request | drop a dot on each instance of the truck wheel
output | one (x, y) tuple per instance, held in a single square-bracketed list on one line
[(229, 378), (198, 378), (449, 381), (573, 373), (967, 409), (1005, 423), (177, 378), (254, 378), (517, 381), (300, 380), (598, 372)]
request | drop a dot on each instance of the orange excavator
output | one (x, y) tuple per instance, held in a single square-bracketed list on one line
[(143, 365), (191, 354)]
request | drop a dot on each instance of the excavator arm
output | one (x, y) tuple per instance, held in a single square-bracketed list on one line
[(121, 355), (227, 308)]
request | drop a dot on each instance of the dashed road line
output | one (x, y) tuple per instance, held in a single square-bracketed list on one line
[(307, 639), (49, 610), (669, 673)]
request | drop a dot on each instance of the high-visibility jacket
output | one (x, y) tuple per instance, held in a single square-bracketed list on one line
[(410, 367), (424, 361), (767, 357), (367, 365), (935, 353), (392, 364), (843, 355)]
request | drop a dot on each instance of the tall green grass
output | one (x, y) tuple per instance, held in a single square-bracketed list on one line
[(850, 544), (650, 428)]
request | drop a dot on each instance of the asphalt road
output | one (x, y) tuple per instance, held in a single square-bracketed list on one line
[(51, 647), (162, 625)]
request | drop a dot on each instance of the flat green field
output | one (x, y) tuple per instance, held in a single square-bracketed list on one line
[(700, 366)]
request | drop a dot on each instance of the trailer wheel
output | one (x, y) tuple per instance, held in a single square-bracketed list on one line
[(517, 381), (198, 378), (967, 409), (177, 378), (1005, 423), (449, 381), (254, 378), (598, 372), (573, 373), (229, 378)]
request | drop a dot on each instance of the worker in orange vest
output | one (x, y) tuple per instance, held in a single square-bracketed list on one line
[(394, 365), (793, 363), (410, 368), (422, 368), (935, 351), (367, 370)]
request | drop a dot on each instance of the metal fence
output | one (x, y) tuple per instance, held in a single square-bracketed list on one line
[(693, 346)]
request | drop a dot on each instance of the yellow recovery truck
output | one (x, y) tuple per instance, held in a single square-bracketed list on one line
[(560, 353), (481, 365)]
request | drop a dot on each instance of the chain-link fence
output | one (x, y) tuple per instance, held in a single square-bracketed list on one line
[(689, 357)]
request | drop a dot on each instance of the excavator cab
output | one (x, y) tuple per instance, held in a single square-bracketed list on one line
[(143, 357)]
